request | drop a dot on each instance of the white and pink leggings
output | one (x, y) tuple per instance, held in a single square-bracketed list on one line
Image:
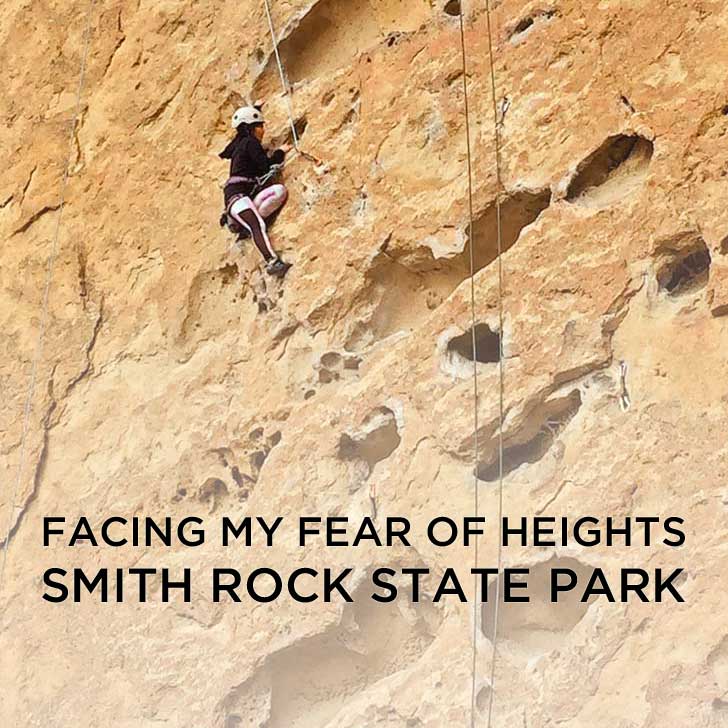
[(251, 214)]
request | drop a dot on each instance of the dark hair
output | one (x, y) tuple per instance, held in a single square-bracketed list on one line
[(247, 129), (242, 132)]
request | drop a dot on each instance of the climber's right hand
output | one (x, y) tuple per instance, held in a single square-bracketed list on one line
[(277, 157)]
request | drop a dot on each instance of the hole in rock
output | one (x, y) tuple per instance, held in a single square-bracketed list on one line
[(224, 455), (374, 441), (179, 495), (402, 297), (257, 459), (452, 8), (454, 76), (523, 26), (518, 210), (228, 274), (539, 626), (326, 376), (331, 359), (333, 366), (613, 171), (535, 438), (260, 449), (487, 345), (528, 22), (313, 679), (405, 295), (626, 102), (483, 697), (334, 32), (300, 126), (685, 270), (310, 682), (212, 491)]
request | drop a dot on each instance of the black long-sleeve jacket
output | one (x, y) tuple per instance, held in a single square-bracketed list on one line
[(247, 159)]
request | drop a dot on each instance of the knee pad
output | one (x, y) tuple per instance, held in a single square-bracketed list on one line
[(280, 193), (244, 203)]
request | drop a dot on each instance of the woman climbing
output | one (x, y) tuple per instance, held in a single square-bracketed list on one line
[(245, 202)]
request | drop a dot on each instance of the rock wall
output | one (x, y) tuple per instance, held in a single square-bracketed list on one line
[(176, 379)]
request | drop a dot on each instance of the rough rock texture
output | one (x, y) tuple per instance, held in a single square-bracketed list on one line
[(176, 379)]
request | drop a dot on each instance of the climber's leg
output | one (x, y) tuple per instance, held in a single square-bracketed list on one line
[(270, 200), (245, 213)]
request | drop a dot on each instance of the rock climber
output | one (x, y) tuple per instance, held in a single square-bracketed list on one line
[(250, 197)]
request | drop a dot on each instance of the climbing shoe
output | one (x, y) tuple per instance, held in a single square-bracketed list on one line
[(277, 268)]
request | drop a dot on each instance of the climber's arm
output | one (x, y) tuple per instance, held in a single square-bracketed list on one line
[(258, 157), (261, 160)]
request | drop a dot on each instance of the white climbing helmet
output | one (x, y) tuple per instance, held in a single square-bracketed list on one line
[(247, 115)]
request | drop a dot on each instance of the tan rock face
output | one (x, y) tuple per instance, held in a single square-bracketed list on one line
[(176, 379)]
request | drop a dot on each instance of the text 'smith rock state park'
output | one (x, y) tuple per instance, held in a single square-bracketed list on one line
[(183, 372)]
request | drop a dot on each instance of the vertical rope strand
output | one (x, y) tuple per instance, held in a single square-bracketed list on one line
[(50, 266), (471, 245), (501, 361), (281, 73)]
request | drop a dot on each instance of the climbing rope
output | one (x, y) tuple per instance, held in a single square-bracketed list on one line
[(501, 357), (46, 292), (287, 93), (281, 73), (501, 369), (474, 344)]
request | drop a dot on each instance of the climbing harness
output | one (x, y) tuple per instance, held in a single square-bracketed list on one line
[(259, 183), (497, 119), (46, 292), (263, 181)]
